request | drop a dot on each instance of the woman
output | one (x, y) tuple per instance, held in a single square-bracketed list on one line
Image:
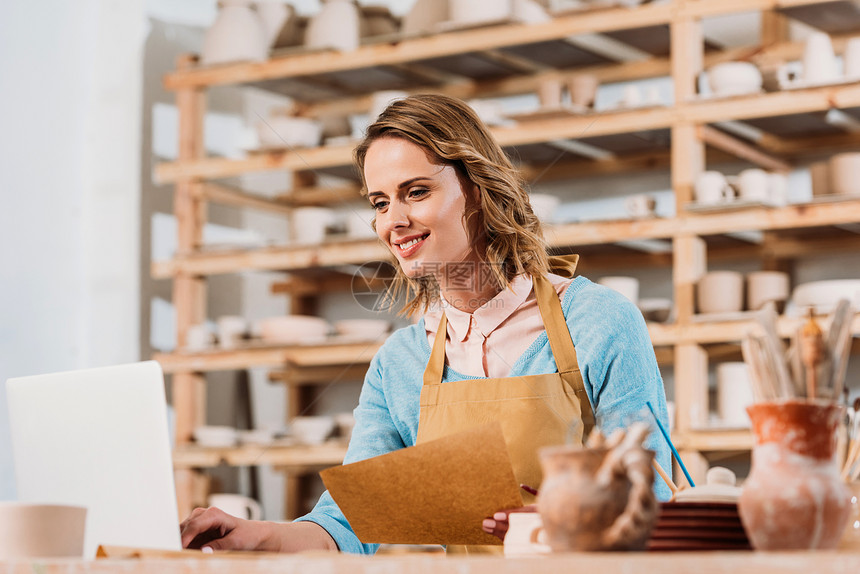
[(504, 336)]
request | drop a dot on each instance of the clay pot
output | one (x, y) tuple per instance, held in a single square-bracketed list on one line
[(720, 292), (280, 22), (337, 25), (793, 498), (594, 499), (424, 16), (237, 34), (766, 286)]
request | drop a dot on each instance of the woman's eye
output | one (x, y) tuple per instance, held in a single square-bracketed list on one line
[(418, 191), (379, 205)]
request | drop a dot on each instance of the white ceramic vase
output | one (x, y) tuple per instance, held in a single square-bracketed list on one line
[(468, 12), (237, 35), (424, 16), (281, 23), (337, 25)]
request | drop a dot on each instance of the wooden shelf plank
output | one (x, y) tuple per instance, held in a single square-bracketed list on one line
[(785, 103), (714, 440), (436, 46), (570, 235), (298, 355), (306, 456)]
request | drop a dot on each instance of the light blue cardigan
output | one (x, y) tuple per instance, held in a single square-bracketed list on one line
[(615, 356)]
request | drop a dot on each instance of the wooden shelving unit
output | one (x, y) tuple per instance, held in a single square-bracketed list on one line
[(512, 59)]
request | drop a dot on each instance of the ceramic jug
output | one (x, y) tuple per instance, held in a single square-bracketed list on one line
[(598, 498), (337, 25), (237, 34), (793, 498)]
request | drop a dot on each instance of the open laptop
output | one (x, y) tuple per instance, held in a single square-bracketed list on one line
[(98, 438)]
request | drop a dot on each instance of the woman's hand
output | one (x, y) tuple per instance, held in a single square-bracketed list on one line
[(498, 524), (214, 529)]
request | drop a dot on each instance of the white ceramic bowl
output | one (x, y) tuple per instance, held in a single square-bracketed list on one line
[(627, 286), (215, 436), (256, 436), (312, 430), (655, 308), (30, 530), (293, 329), (734, 78), (823, 296), (365, 328), (289, 131)]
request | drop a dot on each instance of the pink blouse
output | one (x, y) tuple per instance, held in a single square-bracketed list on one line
[(489, 341)]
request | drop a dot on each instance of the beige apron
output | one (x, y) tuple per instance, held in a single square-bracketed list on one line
[(534, 410)]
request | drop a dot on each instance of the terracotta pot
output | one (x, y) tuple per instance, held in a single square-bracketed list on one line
[(237, 34), (793, 498), (337, 25), (592, 500)]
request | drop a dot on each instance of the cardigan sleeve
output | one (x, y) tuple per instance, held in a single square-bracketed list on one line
[(375, 433)]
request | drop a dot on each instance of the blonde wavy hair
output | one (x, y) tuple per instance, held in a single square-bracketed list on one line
[(452, 134)]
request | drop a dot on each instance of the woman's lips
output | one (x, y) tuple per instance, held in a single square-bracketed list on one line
[(413, 246)]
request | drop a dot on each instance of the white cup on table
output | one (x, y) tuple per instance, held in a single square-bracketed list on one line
[(712, 188)]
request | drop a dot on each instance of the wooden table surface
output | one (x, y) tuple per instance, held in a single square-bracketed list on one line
[(603, 563)]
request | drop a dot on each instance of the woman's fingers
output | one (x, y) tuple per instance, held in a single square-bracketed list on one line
[(205, 525)]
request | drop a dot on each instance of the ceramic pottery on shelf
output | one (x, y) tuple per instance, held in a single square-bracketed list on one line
[(598, 497), (238, 34), (793, 498), (337, 25)]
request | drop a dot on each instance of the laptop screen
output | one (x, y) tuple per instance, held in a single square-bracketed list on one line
[(98, 438)]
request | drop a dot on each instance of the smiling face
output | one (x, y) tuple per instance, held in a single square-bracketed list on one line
[(420, 207)]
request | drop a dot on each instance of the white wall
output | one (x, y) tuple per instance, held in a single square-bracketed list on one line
[(69, 189)]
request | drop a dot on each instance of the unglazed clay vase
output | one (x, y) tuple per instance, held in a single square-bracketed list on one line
[(337, 25), (598, 498), (237, 34), (793, 498)]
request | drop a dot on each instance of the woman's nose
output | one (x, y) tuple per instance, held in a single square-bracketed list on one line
[(397, 215)]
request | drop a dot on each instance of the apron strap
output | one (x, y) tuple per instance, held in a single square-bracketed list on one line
[(555, 325), (433, 371)]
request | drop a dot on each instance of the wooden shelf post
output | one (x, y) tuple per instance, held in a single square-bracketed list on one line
[(189, 292)]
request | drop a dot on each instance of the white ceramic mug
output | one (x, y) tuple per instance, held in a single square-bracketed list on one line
[(819, 60), (309, 224), (734, 393), (627, 286), (720, 292), (712, 187), (382, 99), (237, 505), (851, 59), (199, 337), (778, 188), (231, 331), (754, 185), (359, 223), (640, 205), (766, 286), (525, 535)]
